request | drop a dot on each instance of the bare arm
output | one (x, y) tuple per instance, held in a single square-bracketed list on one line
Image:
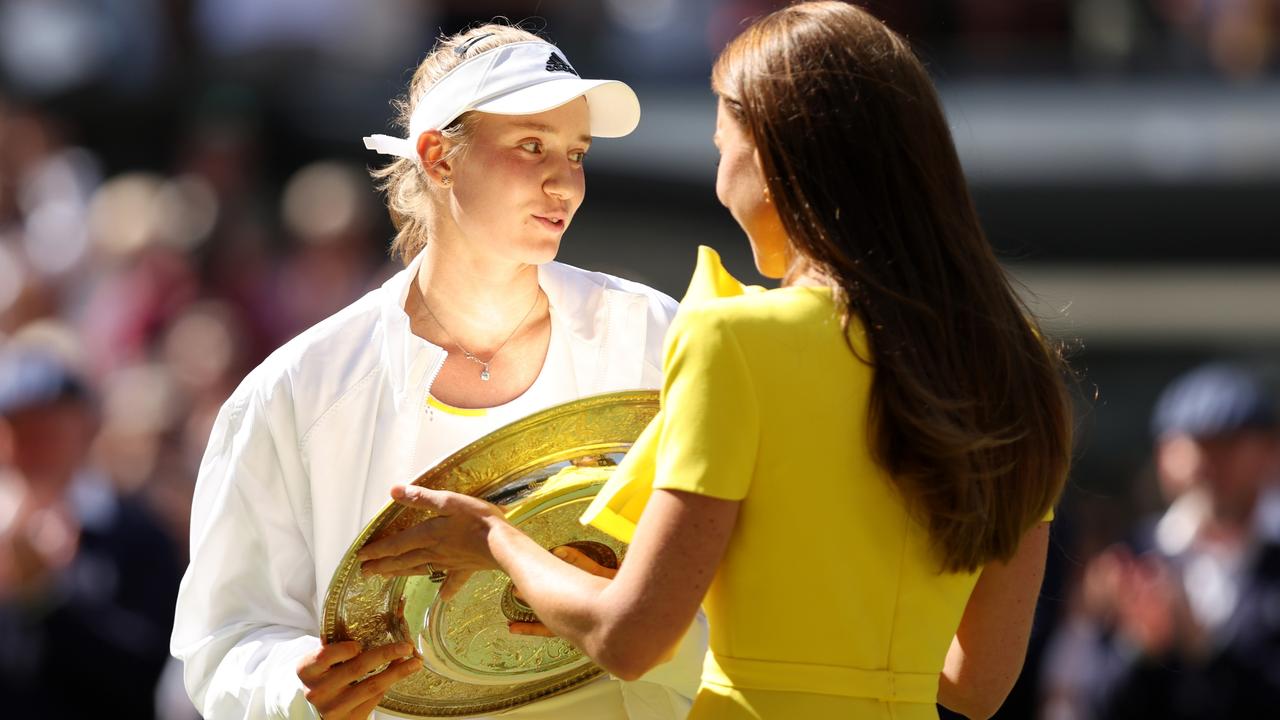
[(627, 625), (991, 643)]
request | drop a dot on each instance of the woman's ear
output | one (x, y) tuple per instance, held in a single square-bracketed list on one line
[(764, 183), (431, 152)]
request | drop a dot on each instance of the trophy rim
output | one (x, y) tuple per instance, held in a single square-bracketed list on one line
[(466, 471)]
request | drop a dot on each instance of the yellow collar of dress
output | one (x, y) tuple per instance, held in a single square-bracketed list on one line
[(710, 280), (617, 507)]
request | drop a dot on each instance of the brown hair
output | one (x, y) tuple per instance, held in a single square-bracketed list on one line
[(970, 410), (403, 180)]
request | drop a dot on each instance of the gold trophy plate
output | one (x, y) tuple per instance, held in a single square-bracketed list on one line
[(543, 471)]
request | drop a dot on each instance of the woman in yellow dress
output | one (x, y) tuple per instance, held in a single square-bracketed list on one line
[(852, 473)]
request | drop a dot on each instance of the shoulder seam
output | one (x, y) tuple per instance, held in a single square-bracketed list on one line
[(306, 437)]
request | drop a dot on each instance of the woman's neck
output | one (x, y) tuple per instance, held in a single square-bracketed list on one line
[(471, 298), (802, 272)]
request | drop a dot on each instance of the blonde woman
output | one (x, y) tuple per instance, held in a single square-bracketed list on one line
[(480, 328), (852, 472)]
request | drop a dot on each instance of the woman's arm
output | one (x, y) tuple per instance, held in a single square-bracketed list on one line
[(244, 613), (991, 643), (628, 624), (707, 443)]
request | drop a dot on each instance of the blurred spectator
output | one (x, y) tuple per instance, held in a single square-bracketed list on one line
[(327, 211), (1237, 37), (1108, 34), (223, 149), (49, 47), (314, 58), (45, 186), (1186, 622), (143, 276), (151, 197), (202, 357), (87, 578), (321, 30)]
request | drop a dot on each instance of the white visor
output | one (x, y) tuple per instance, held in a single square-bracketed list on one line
[(520, 78)]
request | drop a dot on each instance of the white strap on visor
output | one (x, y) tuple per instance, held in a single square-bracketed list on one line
[(491, 76)]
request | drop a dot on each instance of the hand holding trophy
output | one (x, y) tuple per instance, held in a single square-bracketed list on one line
[(420, 576)]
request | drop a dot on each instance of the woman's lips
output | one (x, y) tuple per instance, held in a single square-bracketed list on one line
[(556, 225)]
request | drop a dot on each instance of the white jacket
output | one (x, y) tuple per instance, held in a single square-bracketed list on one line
[(303, 455)]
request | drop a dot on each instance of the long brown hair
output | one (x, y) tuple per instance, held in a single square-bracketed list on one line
[(970, 409)]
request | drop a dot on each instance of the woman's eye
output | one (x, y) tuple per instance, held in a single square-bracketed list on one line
[(578, 156), (532, 146)]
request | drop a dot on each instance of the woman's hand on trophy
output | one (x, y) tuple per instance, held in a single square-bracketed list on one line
[(343, 681), (455, 540)]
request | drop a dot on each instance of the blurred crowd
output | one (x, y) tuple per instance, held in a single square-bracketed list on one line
[(1180, 618), (164, 225), (130, 307), (140, 46)]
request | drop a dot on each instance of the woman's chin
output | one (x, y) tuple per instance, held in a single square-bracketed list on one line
[(539, 251)]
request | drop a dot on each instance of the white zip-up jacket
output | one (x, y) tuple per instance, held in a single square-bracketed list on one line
[(303, 455)]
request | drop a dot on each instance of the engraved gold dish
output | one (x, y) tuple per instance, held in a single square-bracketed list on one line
[(543, 471)]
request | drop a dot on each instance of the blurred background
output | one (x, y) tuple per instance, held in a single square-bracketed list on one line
[(183, 188)]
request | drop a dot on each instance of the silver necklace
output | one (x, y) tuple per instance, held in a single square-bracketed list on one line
[(484, 364)]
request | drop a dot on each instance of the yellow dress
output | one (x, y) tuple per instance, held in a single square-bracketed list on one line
[(828, 603)]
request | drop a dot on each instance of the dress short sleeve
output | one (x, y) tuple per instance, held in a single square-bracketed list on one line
[(710, 421), (704, 438)]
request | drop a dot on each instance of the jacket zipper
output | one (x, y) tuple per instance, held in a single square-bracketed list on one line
[(431, 380)]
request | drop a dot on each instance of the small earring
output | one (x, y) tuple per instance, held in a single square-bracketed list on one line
[(446, 180), (767, 197)]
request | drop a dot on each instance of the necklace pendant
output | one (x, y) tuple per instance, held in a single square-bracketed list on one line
[(484, 374)]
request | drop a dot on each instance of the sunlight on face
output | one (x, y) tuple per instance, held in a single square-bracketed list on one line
[(740, 186), (520, 181), (1232, 468)]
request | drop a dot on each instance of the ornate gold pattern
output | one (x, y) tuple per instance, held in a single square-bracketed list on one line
[(475, 665)]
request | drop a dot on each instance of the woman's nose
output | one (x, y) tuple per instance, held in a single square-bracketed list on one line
[(559, 180)]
